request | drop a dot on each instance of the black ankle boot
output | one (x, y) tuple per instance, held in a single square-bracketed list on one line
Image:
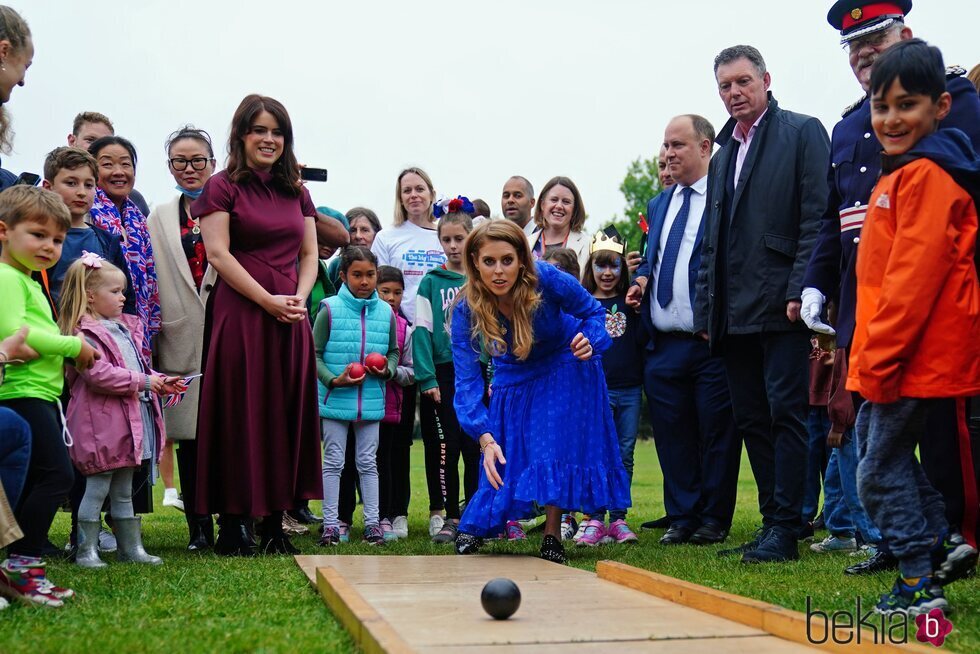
[(233, 537), (201, 530), (273, 540)]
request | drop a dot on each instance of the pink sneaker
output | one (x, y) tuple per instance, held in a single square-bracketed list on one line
[(595, 531), (620, 532), (515, 531)]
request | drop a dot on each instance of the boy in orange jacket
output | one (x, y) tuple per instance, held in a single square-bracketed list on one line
[(918, 318)]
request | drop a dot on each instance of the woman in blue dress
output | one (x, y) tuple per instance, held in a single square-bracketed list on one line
[(548, 436)]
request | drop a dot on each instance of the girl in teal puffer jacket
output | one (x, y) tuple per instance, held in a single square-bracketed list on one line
[(356, 353)]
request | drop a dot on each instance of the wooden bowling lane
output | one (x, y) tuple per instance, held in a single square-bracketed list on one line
[(432, 604)]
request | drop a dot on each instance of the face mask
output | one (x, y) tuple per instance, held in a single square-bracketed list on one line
[(193, 195)]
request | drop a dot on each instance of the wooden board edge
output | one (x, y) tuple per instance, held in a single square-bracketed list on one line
[(370, 631), (773, 619)]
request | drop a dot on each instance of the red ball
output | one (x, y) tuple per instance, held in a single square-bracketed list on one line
[(376, 361), (356, 371)]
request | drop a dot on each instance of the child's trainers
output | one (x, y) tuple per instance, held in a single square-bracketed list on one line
[(923, 597), (435, 524), (373, 535), (568, 526), (388, 530), (31, 585), (330, 537), (344, 530), (580, 531), (953, 559), (593, 534), (400, 526), (515, 531), (447, 534), (834, 544), (620, 532)]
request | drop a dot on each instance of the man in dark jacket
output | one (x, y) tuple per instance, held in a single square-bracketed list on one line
[(767, 190)]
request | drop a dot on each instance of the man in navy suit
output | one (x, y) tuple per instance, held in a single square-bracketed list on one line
[(690, 409)]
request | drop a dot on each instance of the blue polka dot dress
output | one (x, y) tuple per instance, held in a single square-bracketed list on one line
[(549, 413)]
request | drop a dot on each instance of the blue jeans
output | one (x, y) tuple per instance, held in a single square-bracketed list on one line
[(15, 454), (843, 511), (817, 461), (625, 404)]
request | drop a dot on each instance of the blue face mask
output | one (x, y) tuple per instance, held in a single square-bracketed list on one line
[(193, 195)]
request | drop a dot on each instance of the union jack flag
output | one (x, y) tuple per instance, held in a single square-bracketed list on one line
[(175, 398)]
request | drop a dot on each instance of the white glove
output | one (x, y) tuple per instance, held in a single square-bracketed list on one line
[(812, 301)]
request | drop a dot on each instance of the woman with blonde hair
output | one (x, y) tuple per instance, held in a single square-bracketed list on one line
[(412, 244), (548, 435)]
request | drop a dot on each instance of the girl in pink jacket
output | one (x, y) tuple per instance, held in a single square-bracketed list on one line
[(114, 415)]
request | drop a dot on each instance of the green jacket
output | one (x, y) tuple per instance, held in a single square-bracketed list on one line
[(431, 343)]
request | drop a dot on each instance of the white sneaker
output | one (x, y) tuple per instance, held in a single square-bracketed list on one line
[(435, 524), (3, 603), (400, 526), (170, 498)]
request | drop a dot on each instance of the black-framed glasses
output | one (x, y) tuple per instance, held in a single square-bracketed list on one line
[(197, 163)]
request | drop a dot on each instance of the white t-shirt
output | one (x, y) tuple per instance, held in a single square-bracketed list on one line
[(413, 250)]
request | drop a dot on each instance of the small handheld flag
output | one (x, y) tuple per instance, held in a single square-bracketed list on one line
[(174, 399)]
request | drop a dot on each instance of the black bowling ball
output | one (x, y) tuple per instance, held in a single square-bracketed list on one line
[(500, 598)]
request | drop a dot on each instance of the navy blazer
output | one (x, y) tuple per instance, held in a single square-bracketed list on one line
[(657, 213)]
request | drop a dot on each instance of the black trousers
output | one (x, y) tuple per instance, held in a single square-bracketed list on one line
[(49, 477), (768, 377), (445, 443), (948, 459)]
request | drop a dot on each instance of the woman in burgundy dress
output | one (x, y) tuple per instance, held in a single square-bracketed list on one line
[(258, 428)]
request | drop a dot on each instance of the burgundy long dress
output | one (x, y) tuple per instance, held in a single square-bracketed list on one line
[(258, 429)]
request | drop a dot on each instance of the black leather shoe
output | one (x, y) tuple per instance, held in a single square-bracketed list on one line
[(708, 534), (278, 544), (880, 561), (659, 523), (234, 538), (778, 546), (676, 535), (304, 516), (745, 547)]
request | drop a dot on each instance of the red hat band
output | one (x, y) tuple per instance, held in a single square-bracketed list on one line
[(869, 12)]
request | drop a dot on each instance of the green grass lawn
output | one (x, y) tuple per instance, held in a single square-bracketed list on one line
[(205, 603)]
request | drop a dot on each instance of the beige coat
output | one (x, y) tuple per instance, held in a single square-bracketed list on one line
[(579, 242), (180, 341)]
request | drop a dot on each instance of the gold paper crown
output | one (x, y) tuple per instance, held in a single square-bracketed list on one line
[(602, 242)]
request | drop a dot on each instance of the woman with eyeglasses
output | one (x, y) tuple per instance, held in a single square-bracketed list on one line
[(184, 280)]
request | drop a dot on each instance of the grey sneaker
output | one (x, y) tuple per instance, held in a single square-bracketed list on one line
[(447, 534), (834, 544), (107, 541)]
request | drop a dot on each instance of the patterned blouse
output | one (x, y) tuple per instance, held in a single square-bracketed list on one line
[(131, 227)]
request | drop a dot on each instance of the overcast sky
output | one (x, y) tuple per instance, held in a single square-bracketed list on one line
[(472, 92)]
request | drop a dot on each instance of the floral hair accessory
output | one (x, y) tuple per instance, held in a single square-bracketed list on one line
[(446, 205), (90, 259)]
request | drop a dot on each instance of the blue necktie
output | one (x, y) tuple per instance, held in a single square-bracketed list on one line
[(665, 283)]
